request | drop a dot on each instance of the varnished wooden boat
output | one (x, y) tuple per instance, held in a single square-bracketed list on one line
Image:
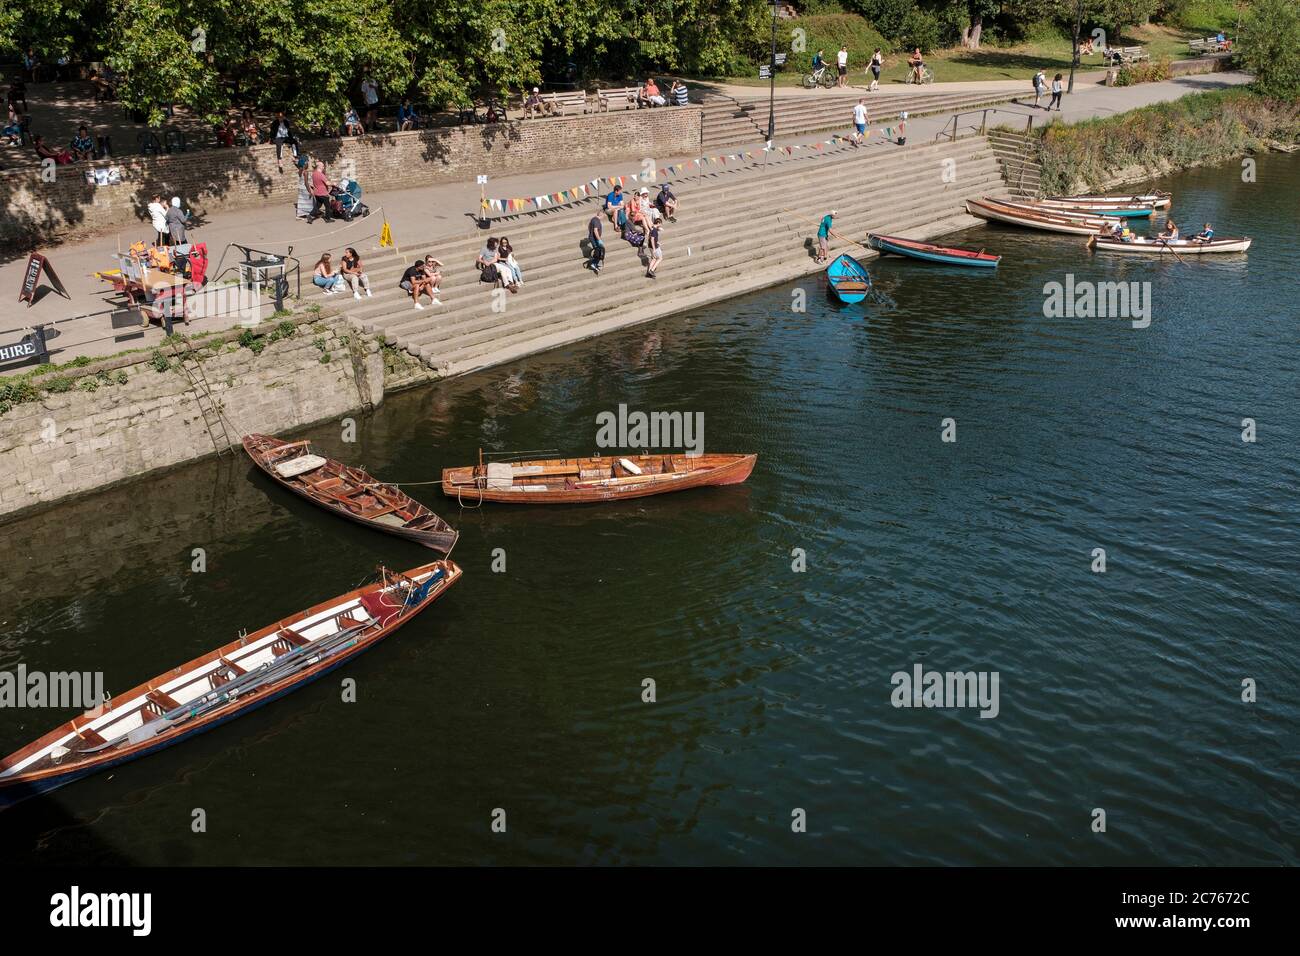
[(584, 480), (1116, 210), (1157, 200), (848, 280), (349, 492), (1166, 247), (225, 683), (1016, 214), (927, 252)]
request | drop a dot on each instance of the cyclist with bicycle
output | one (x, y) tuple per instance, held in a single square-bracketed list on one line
[(917, 63), (818, 68)]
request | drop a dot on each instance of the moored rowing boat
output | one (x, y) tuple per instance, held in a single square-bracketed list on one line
[(586, 480), (224, 683), (848, 279), (927, 252), (1116, 210), (349, 492), (1017, 214), (1180, 247), (1157, 200)]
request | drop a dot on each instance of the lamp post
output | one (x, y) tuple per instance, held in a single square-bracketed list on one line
[(771, 87), (1074, 60)]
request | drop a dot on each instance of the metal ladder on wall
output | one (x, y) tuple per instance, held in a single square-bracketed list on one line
[(209, 407)]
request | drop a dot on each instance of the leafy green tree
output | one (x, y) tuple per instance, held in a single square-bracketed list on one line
[(1269, 46)]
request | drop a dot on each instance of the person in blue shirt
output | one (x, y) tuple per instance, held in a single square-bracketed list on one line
[(407, 118), (1206, 234), (824, 236), (82, 146), (614, 207)]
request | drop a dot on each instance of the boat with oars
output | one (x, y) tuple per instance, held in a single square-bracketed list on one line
[(226, 683), (546, 481), (946, 255), (848, 280), (1031, 217), (1115, 210), (1169, 247), (1155, 200), (349, 492)]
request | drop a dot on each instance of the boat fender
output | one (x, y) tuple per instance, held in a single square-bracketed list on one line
[(630, 468)]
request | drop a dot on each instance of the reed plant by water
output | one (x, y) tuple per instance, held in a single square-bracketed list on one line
[(1192, 131)]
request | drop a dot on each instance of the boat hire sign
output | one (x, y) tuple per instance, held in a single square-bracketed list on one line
[(31, 348)]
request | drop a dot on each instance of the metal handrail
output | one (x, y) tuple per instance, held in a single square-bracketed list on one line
[(984, 121)]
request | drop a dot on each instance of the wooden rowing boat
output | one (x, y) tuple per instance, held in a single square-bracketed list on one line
[(1157, 246), (848, 279), (1026, 216), (946, 255), (584, 480), (1156, 200), (1115, 210), (225, 683), (349, 492)]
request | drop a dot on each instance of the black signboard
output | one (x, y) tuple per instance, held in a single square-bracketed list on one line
[(36, 264), (29, 350)]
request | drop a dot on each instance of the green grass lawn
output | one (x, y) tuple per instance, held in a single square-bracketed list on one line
[(1002, 63)]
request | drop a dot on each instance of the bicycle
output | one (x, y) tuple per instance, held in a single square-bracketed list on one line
[(927, 76), (821, 76)]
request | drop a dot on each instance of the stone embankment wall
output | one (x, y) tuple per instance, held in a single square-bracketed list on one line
[(120, 419), (213, 180)]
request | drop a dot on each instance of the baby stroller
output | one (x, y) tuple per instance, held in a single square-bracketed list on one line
[(345, 201)]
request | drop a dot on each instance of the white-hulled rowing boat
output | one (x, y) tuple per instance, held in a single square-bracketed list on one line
[(1156, 247), (1158, 200)]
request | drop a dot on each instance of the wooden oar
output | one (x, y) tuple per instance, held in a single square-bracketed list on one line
[(1165, 242), (832, 232)]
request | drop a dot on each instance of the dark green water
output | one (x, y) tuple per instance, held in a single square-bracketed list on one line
[(522, 690)]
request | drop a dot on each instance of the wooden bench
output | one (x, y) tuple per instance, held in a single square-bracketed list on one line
[(1208, 45), (616, 94), (1127, 54), (558, 104)]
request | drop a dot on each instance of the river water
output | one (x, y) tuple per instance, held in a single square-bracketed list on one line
[(521, 690)]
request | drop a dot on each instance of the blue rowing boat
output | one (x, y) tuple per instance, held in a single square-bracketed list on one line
[(848, 280), (930, 253)]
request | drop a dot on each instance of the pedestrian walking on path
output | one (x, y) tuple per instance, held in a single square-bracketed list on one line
[(877, 61), (860, 120), (597, 257), (1040, 87), (1056, 94)]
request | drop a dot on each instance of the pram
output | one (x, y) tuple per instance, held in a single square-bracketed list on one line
[(345, 201)]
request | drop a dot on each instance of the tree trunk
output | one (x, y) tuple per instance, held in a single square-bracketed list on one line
[(970, 37)]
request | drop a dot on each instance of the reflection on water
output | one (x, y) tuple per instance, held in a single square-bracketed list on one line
[(523, 689)]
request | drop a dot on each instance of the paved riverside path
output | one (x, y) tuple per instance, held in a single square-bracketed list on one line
[(433, 215)]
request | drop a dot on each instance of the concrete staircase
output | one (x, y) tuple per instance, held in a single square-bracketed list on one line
[(729, 122), (731, 236), (1020, 169)]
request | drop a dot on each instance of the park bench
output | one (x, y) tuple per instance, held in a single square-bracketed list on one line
[(1126, 54), (559, 103), (1207, 45), (616, 94)]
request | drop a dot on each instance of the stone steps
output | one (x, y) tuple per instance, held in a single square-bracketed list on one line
[(561, 302), (707, 221), (728, 123), (787, 257)]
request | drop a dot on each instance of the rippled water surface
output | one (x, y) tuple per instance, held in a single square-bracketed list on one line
[(522, 690)]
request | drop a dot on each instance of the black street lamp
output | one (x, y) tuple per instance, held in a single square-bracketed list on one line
[(771, 89), (1078, 28)]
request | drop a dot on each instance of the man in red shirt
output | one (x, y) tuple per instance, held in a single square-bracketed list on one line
[(320, 194)]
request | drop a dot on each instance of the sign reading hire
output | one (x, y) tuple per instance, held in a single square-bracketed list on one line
[(30, 348)]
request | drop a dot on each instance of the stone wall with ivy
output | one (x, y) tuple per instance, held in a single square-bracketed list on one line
[(83, 426)]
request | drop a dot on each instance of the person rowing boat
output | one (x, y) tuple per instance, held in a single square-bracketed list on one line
[(1170, 232)]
